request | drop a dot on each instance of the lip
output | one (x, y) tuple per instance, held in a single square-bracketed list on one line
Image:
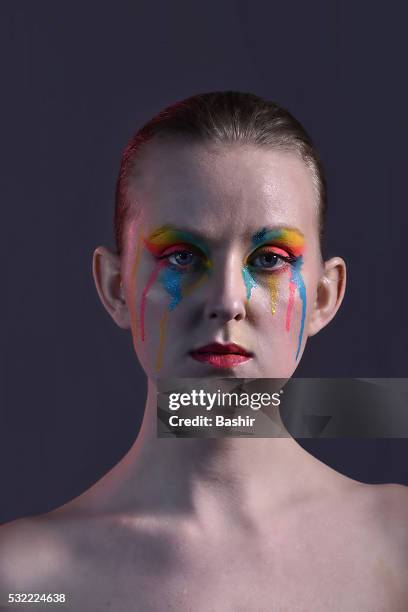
[(221, 355)]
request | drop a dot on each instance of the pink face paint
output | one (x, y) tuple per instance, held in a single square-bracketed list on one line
[(150, 281), (296, 281)]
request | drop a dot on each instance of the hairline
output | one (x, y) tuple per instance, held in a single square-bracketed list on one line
[(173, 137)]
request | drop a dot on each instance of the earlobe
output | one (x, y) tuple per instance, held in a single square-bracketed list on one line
[(329, 294), (107, 277)]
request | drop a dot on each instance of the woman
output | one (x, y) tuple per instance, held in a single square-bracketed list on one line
[(218, 273)]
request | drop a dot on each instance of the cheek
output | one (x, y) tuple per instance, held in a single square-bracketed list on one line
[(159, 289), (179, 285), (285, 301), (145, 301), (297, 288), (159, 293)]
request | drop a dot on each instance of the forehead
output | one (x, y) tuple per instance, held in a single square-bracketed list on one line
[(224, 190)]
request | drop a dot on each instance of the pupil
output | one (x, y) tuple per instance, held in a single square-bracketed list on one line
[(270, 258), (183, 256)]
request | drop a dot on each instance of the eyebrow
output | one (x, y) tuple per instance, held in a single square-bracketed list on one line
[(290, 238)]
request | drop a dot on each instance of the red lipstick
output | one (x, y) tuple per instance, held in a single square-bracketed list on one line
[(221, 355)]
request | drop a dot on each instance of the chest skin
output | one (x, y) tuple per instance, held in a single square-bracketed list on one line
[(119, 565)]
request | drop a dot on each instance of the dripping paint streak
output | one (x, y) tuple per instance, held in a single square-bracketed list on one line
[(149, 283), (273, 293), (302, 293)]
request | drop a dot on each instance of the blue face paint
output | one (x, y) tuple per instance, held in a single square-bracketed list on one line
[(249, 281), (263, 235), (171, 280), (298, 280)]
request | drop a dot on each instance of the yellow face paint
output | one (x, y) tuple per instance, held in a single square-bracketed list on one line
[(273, 292), (193, 285), (288, 238)]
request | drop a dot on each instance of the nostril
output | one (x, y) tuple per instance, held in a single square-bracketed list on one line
[(226, 315)]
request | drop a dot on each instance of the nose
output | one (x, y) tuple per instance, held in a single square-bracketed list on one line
[(226, 298)]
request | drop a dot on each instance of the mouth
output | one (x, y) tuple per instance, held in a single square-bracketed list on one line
[(221, 355)]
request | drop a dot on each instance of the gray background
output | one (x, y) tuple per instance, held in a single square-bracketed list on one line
[(78, 79)]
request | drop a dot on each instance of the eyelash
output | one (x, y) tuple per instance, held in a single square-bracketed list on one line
[(177, 252), (290, 259)]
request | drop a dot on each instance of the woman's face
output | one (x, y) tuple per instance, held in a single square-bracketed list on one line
[(225, 250)]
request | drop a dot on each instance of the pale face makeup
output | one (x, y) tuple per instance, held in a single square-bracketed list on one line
[(225, 249)]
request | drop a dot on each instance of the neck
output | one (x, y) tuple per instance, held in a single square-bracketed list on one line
[(233, 477)]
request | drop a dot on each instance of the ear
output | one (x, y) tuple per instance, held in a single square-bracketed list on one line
[(107, 277), (329, 295)]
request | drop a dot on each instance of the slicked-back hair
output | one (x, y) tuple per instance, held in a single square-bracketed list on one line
[(223, 117)]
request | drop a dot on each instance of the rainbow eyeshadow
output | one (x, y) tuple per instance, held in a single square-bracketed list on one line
[(172, 279), (168, 235), (288, 237)]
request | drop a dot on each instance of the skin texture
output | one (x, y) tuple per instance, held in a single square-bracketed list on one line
[(241, 190), (218, 524)]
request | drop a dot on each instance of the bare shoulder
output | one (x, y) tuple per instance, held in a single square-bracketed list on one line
[(384, 508), (389, 504), (367, 531), (392, 508), (89, 558), (34, 554)]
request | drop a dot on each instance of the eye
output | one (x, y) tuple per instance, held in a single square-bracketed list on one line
[(183, 259), (269, 260)]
